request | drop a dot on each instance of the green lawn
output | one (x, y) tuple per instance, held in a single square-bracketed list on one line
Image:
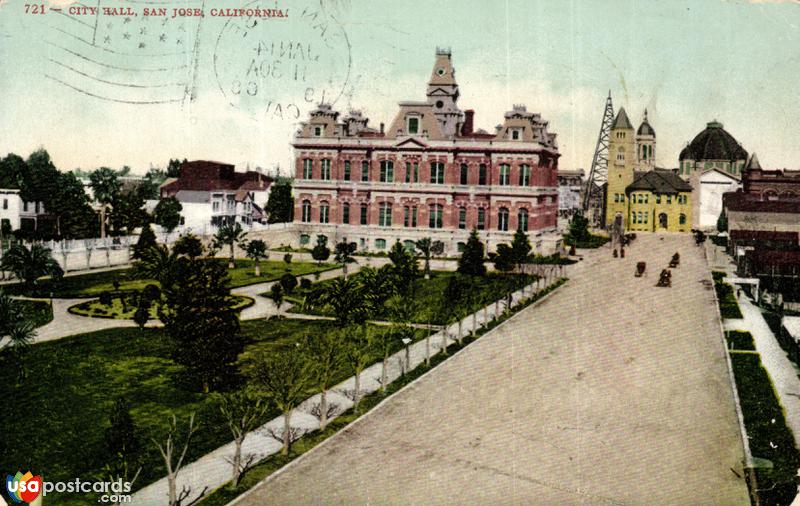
[(594, 241), (738, 340), (95, 309), (95, 283), (767, 433), (56, 419), (429, 293), (38, 312), (728, 306)]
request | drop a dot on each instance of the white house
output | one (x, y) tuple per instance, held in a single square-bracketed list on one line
[(18, 213), (711, 185), (213, 194)]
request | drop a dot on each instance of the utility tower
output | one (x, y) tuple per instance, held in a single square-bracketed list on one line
[(593, 195)]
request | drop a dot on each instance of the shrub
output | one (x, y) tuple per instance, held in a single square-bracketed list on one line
[(105, 299), (141, 315), (287, 258), (738, 340), (305, 283), (288, 282), (151, 292)]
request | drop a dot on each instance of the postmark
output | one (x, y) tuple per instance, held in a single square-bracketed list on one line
[(279, 69)]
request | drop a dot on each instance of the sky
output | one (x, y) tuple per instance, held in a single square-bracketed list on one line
[(114, 90)]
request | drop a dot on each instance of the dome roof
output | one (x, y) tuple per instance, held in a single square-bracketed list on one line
[(645, 128), (714, 143)]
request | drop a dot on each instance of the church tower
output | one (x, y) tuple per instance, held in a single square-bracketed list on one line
[(645, 146), (443, 93), (621, 163)]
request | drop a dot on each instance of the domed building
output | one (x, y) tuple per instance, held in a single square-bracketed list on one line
[(712, 163)]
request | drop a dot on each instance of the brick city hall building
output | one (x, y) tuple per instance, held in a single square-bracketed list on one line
[(429, 174)]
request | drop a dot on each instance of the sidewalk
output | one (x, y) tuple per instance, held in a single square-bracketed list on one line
[(781, 370), (213, 470)]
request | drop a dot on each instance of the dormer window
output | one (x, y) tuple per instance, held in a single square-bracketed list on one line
[(412, 125), (515, 134), (318, 130)]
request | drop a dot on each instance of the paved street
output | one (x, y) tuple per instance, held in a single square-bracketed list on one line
[(612, 391)]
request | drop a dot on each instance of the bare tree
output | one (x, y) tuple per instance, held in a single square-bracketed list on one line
[(283, 377), (324, 353), (357, 354), (169, 451), (242, 412)]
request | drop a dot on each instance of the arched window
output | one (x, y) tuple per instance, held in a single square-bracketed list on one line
[(307, 168), (306, 215), (325, 172), (323, 211), (380, 243), (437, 173), (464, 173), (505, 173), (502, 219), (461, 247), (522, 220), (682, 219), (346, 213), (462, 218), (387, 171), (410, 245), (435, 216)]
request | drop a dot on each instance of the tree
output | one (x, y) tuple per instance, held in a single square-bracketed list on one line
[(173, 455), (428, 248), (343, 254), (321, 252), (283, 378), (384, 341), (722, 222), (472, 258), (174, 167), (348, 299), (157, 262), (401, 314), (19, 334), (122, 437), (243, 412), (105, 186), (230, 235), (167, 214), (147, 239), (280, 205), (201, 322), (404, 266), (288, 282), (357, 354), (504, 259), (520, 248), (30, 264), (579, 227), (148, 188), (70, 207), (276, 292), (257, 250), (189, 245), (127, 211), (325, 358)]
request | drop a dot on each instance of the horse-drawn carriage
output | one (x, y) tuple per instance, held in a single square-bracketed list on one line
[(676, 259), (640, 269), (665, 279)]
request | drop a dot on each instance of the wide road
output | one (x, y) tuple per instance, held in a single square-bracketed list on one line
[(613, 391)]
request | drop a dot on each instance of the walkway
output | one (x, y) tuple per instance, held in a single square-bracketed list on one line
[(781, 370), (612, 391), (213, 470)]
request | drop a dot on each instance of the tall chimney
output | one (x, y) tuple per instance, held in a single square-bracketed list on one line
[(381, 128), (467, 127)]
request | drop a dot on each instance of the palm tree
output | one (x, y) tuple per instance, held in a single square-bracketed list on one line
[(30, 264), (20, 336), (157, 262), (428, 248), (344, 254), (230, 235), (256, 250), (105, 186), (357, 354), (325, 358), (348, 298)]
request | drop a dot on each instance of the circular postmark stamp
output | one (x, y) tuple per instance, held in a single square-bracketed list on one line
[(280, 69)]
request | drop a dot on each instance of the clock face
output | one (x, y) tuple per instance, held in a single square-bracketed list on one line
[(440, 71)]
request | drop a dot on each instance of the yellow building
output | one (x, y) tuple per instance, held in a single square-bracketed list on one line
[(640, 197)]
